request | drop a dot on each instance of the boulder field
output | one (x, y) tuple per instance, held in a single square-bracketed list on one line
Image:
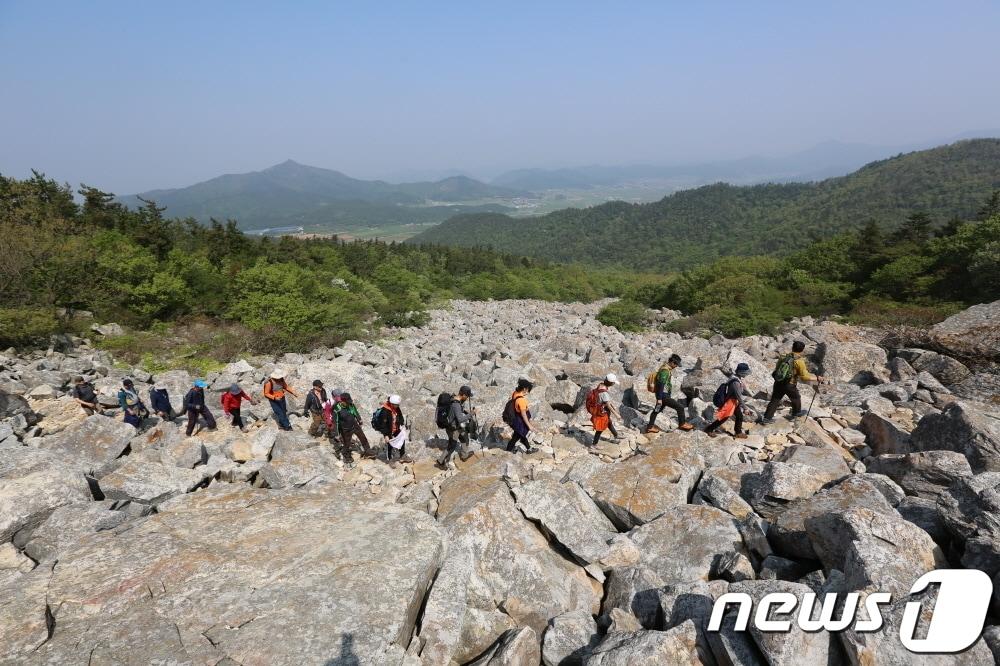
[(264, 547)]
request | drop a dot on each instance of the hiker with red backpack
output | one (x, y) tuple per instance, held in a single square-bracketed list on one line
[(790, 370), (600, 408), (660, 384), (517, 415), (728, 401)]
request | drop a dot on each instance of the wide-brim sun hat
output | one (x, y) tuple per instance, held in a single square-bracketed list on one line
[(395, 399), (235, 389), (742, 370), (278, 374), (611, 378)]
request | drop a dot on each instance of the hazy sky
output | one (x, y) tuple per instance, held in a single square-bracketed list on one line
[(128, 96)]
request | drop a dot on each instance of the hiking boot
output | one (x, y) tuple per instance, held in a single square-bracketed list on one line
[(764, 421), (406, 460), (531, 450), (369, 454), (652, 430), (741, 435), (441, 466), (685, 427), (464, 457)]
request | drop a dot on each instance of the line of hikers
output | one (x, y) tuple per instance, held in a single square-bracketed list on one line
[(336, 416)]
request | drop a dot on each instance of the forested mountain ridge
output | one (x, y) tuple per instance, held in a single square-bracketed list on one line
[(694, 226), (293, 193)]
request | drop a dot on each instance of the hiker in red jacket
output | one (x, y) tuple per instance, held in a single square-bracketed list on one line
[(231, 401)]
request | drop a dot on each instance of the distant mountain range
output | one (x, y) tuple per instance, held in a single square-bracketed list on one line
[(693, 226), (296, 194), (825, 160)]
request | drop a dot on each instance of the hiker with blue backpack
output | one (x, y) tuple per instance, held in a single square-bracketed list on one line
[(728, 401), (790, 370), (388, 421)]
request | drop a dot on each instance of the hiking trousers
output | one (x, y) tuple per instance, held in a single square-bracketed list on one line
[(280, 409), (193, 414), (347, 438), (318, 425), (237, 420), (453, 443), (661, 404), (737, 419), (780, 390)]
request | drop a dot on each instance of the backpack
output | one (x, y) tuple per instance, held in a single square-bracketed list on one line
[(783, 371), (651, 381), (442, 413), (382, 420), (594, 406), (346, 417), (721, 394), (509, 415)]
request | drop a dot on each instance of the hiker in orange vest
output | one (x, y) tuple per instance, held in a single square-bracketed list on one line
[(275, 389), (600, 408), (517, 415)]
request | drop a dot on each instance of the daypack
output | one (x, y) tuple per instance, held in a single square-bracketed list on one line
[(786, 366), (509, 415), (382, 420), (443, 410), (594, 406), (721, 394), (346, 416), (651, 381)]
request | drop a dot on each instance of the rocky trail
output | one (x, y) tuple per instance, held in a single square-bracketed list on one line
[(118, 547)]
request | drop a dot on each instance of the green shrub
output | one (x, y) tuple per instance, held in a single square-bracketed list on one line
[(23, 327), (624, 315)]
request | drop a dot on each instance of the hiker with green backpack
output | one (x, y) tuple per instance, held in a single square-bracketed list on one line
[(791, 369), (660, 384)]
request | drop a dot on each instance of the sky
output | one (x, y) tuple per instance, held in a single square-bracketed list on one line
[(131, 96)]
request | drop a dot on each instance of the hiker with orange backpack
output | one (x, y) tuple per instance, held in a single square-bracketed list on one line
[(660, 384), (517, 415), (728, 401), (600, 408), (275, 389)]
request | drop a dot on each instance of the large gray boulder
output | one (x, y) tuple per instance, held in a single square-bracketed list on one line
[(93, 444), (874, 548), (926, 474), (67, 527), (795, 646), (789, 535), (516, 647), (883, 435), (970, 509), (648, 648), (149, 483), (641, 488), (509, 575), (943, 368), (962, 428), (635, 590), (569, 639), (569, 516), (33, 484), (687, 542), (853, 362), (310, 584), (972, 333)]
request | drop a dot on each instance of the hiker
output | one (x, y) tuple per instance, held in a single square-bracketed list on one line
[(388, 420), (275, 389), (194, 406), (731, 393), (343, 425), (455, 419), (133, 410), (791, 369), (517, 415), (314, 407), (231, 402), (600, 408), (662, 386), (159, 402), (86, 396)]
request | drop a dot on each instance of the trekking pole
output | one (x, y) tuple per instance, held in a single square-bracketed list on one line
[(809, 410)]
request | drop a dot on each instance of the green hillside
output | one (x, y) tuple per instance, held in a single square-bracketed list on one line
[(293, 194), (699, 225)]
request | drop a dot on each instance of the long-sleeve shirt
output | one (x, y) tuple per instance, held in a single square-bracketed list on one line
[(457, 416), (737, 390), (231, 401), (801, 371), (159, 400), (664, 382), (195, 399)]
